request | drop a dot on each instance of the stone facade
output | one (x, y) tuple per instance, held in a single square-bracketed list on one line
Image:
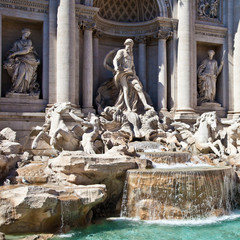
[(171, 40)]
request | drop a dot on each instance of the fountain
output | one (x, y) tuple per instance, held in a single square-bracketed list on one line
[(178, 193)]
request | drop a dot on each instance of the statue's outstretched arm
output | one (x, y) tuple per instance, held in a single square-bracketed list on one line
[(79, 120)]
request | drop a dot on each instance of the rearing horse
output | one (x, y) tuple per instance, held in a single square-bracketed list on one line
[(55, 132), (204, 131)]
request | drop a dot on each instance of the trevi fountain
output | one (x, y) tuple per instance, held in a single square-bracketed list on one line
[(119, 119)]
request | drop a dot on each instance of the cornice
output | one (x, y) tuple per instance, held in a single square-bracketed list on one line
[(210, 30), (39, 6), (84, 12)]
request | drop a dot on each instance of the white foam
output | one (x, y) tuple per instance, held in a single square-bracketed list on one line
[(179, 165), (190, 222), (68, 235)]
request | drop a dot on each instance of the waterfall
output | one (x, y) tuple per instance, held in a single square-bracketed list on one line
[(65, 214), (186, 193)]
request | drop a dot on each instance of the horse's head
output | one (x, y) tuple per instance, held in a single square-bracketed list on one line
[(208, 118), (212, 120)]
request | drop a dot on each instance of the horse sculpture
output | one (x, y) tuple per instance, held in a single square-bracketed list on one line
[(205, 128), (55, 132), (203, 136)]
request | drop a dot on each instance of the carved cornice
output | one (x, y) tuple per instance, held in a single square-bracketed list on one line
[(38, 6), (149, 28), (209, 30)]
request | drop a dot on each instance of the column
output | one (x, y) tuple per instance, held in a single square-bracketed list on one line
[(52, 84), (230, 52), (185, 58), (96, 37), (162, 70), (0, 55), (142, 55), (77, 64), (45, 62), (88, 67), (65, 50), (236, 61)]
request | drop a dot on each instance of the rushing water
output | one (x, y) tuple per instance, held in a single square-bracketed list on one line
[(178, 193), (222, 228)]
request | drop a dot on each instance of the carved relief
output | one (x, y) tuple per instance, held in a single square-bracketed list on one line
[(208, 9)]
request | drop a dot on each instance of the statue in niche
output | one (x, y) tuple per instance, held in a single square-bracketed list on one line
[(22, 64), (208, 72), (125, 78), (124, 106)]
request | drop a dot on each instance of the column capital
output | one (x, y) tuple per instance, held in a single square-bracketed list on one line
[(162, 34), (97, 34), (141, 39), (88, 25)]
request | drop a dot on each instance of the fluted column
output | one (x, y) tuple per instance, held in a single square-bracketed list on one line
[(185, 57), (65, 50), (236, 60), (88, 67), (230, 53), (142, 70), (52, 85), (96, 37), (162, 70), (1, 55)]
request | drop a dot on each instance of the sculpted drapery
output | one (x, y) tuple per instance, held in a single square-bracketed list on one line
[(22, 64)]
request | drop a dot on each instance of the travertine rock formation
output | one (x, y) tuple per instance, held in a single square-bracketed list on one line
[(46, 208)]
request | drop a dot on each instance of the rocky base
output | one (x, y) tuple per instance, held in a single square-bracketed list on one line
[(29, 209)]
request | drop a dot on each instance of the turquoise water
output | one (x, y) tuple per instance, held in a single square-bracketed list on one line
[(224, 228)]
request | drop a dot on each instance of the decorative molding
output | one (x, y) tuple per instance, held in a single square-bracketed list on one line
[(212, 31), (149, 28), (162, 34), (38, 6), (86, 13)]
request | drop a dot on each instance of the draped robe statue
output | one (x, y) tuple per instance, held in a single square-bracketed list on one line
[(208, 72), (22, 64)]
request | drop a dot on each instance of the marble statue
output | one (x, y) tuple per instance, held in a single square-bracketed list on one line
[(131, 90), (55, 132), (232, 135), (203, 137), (22, 64), (208, 72), (91, 131), (124, 107)]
